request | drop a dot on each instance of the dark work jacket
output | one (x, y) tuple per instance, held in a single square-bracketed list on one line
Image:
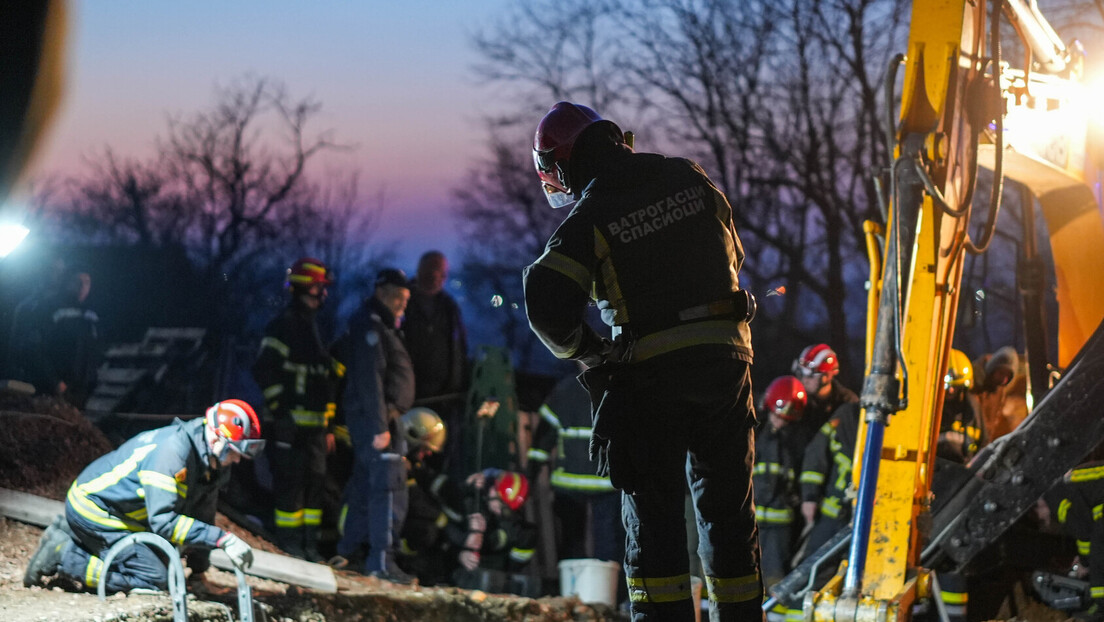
[(436, 341), (295, 371), (564, 428), (378, 375), (650, 236), (159, 481), (68, 344), (1073, 502), (777, 464), (826, 466)]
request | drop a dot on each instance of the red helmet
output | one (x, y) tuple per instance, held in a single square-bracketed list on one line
[(236, 422), (552, 146), (308, 271), (512, 488), (786, 398), (818, 359)]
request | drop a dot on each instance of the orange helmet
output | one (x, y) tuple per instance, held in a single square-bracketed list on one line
[(235, 422), (786, 398), (512, 488), (306, 272), (818, 359), (552, 144)]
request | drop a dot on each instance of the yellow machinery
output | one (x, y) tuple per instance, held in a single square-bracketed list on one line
[(960, 107)]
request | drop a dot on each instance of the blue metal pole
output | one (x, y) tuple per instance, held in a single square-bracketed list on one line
[(864, 505)]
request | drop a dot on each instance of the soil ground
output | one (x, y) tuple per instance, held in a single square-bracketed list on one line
[(46, 444)]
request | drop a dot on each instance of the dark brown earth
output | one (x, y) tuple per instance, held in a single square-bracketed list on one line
[(43, 446)]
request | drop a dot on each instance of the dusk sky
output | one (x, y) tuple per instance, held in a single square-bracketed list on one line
[(394, 79)]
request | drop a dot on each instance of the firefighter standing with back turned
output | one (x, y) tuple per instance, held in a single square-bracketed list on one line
[(652, 240), (299, 380)]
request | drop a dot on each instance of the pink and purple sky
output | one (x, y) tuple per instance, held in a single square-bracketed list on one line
[(394, 79)]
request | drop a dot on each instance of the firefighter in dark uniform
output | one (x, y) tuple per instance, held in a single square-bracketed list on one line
[(826, 490), (818, 369), (435, 499), (652, 240), (164, 481), (508, 540), (299, 379), (777, 463), (961, 433), (1075, 503), (377, 388), (587, 506)]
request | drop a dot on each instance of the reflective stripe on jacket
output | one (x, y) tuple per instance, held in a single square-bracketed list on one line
[(158, 481)]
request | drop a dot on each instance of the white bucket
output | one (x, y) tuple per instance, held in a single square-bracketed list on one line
[(592, 580)]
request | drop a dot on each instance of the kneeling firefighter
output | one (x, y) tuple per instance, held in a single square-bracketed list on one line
[(164, 481)]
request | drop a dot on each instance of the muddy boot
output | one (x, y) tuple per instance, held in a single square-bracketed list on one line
[(47, 557), (290, 541), (310, 545)]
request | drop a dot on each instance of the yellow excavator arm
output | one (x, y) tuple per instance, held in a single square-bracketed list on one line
[(962, 107)]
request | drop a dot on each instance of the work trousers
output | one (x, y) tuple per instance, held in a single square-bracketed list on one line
[(136, 566), (298, 475), (689, 421), (376, 500)]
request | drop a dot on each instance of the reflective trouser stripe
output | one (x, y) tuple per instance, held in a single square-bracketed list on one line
[(954, 598), (521, 555), (774, 516), (93, 571), (734, 590), (1096, 591), (659, 589), (310, 418), (312, 517), (289, 519), (575, 481)]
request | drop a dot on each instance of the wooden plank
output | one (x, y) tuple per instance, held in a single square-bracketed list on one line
[(284, 569), (29, 508)]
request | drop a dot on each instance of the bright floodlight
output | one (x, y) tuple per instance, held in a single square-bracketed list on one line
[(10, 237)]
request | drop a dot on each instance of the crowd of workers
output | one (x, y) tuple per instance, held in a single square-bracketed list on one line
[(661, 412)]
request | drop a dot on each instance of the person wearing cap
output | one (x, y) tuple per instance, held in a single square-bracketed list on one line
[(299, 379), (778, 454), (165, 481), (378, 386)]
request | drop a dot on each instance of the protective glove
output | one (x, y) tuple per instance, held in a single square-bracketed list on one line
[(240, 553), (469, 559), (599, 453)]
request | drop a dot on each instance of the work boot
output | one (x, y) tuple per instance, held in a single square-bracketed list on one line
[(394, 574), (310, 545), (290, 541), (47, 557)]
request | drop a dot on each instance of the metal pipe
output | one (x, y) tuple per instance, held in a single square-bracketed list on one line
[(177, 589)]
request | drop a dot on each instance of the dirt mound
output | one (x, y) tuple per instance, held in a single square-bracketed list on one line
[(46, 444)]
